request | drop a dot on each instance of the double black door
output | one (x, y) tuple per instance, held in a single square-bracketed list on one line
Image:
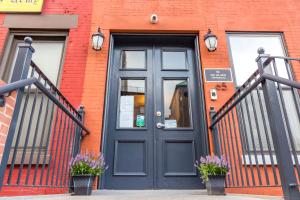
[(154, 118)]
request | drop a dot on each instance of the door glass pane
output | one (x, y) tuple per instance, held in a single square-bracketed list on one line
[(176, 104), (132, 104), (174, 60), (134, 59)]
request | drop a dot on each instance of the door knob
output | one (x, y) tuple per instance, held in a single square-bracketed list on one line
[(160, 125)]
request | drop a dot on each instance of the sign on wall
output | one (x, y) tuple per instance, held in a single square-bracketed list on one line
[(21, 6), (217, 75)]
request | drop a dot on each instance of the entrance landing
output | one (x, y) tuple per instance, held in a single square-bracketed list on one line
[(145, 195)]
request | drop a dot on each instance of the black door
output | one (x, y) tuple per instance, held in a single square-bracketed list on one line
[(155, 124)]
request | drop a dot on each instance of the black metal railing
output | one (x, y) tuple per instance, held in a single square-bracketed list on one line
[(45, 129), (258, 129)]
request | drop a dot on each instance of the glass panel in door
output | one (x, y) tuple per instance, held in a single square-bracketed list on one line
[(132, 104), (174, 60), (176, 104), (133, 59)]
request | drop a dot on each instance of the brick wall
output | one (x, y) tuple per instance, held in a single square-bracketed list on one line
[(77, 44), (73, 67), (6, 113), (84, 70), (177, 16)]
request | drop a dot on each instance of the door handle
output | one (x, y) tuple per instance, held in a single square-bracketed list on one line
[(160, 125)]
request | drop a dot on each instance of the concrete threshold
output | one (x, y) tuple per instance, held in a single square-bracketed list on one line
[(145, 195)]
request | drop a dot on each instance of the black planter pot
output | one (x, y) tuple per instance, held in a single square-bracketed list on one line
[(216, 185), (83, 185)]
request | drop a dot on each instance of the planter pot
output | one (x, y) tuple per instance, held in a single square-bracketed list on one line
[(83, 184), (216, 185)]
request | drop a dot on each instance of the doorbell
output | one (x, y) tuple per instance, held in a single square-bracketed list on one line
[(213, 94), (153, 18)]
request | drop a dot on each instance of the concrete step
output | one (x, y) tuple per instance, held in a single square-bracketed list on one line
[(145, 195)]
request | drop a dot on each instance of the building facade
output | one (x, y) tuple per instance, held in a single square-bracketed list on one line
[(147, 93)]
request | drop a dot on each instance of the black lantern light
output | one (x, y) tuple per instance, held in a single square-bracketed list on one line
[(211, 41), (97, 40)]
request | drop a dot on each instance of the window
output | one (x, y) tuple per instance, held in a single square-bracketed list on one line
[(132, 104), (48, 57), (176, 104), (133, 59), (174, 60), (243, 49)]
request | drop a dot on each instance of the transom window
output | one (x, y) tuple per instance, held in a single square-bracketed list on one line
[(133, 59), (174, 60)]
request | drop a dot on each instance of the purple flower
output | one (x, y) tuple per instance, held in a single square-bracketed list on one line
[(220, 162), (88, 164), (212, 165)]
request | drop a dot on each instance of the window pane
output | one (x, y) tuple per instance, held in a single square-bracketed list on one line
[(176, 104), (132, 104), (292, 115), (47, 56), (133, 59), (251, 121), (34, 114), (244, 52), (174, 60)]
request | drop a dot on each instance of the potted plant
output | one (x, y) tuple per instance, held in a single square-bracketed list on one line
[(84, 169), (213, 172)]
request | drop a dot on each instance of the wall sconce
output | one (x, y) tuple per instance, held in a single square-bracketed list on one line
[(211, 41), (97, 40)]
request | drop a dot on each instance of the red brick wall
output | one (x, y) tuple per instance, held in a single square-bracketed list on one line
[(76, 50), (6, 113), (177, 16), (73, 68), (84, 72)]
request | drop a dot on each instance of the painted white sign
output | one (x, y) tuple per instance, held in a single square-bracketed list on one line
[(170, 123), (126, 117)]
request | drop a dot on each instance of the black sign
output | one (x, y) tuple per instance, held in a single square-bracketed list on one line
[(218, 75)]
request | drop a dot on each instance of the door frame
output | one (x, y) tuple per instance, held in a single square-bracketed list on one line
[(203, 117)]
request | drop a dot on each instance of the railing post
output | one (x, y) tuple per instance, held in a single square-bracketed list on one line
[(21, 68), (77, 143), (214, 131), (20, 71), (78, 132), (278, 133)]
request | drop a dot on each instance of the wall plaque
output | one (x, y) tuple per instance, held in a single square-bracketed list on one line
[(217, 75), (21, 6)]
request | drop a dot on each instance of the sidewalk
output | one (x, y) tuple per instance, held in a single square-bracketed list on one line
[(145, 195)]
